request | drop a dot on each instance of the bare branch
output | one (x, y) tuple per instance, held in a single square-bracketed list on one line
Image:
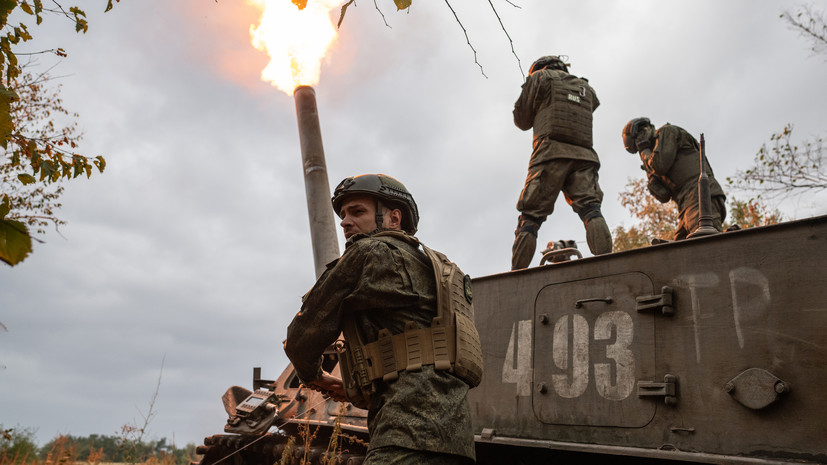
[(810, 24), (381, 14), (466, 38), (151, 412), (785, 168), (520, 65)]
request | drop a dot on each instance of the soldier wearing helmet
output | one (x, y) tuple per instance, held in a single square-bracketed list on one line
[(671, 159), (559, 107), (387, 296)]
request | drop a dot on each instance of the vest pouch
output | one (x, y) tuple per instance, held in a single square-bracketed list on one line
[(354, 390), (468, 364)]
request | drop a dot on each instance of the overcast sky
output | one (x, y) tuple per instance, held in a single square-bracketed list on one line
[(194, 245)]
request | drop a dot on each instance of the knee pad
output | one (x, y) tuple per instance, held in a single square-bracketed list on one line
[(590, 212), (528, 224)]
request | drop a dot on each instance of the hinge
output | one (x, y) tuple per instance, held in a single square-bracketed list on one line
[(662, 302), (667, 389), (488, 433)]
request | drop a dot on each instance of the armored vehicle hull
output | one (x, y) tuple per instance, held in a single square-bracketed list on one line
[(709, 350)]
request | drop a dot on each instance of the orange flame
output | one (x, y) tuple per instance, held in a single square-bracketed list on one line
[(296, 40)]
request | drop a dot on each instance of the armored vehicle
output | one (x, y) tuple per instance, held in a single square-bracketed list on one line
[(708, 350)]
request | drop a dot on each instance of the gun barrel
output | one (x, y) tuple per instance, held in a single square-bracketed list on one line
[(316, 184)]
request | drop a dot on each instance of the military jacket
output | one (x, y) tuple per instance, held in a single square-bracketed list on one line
[(674, 162), (558, 106), (383, 284)]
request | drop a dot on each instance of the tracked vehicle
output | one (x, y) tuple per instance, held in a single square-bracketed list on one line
[(708, 350)]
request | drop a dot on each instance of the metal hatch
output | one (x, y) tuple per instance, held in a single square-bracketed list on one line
[(591, 348)]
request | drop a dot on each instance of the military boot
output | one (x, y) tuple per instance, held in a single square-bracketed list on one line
[(523, 250), (598, 236)]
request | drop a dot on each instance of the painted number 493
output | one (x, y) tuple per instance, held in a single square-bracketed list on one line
[(570, 353)]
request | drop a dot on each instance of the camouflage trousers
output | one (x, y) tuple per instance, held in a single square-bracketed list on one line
[(577, 179), (390, 455)]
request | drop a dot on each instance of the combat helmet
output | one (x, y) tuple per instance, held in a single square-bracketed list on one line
[(385, 189), (631, 131), (551, 62)]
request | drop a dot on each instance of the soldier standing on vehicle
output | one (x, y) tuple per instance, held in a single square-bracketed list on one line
[(559, 107), (671, 159), (397, 318)]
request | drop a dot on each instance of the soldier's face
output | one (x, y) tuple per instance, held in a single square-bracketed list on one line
[(358, 215)]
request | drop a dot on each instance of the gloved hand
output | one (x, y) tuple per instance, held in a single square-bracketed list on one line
[(643, 144), (658, 190)]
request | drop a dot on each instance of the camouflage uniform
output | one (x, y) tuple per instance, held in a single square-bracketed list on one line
[(672, 168), (557, 163), (383, 282)]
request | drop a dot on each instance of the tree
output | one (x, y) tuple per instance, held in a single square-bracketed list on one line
[(751, 213), (17, 445), (654, 219), (658, 220), (810, 24), (97, 448), (785, 168), (40, 116), (30, 132)]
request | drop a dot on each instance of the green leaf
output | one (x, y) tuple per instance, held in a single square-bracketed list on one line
[(100, 163), (81, 25), (6, 7), (48, 169), (77, 165), (402, 4), (6, 125), (26, 178), (4, 206), (15, 242), (36, 161)]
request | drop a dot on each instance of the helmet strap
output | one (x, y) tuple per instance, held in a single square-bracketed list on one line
[(379, 215)]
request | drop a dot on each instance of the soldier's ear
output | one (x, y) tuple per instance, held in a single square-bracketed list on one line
[(393, 219)]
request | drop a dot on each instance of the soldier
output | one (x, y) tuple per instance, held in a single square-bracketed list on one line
[(382, 294), (559, 107), (671, 159)]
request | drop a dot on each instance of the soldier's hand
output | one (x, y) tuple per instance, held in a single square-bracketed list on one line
[(330, 386), (658, 190), (643, 144)]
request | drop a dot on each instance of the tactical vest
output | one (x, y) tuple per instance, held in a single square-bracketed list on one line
[(568, 116), (451, 342)]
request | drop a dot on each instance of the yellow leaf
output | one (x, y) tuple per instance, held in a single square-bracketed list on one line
[(6, 125)]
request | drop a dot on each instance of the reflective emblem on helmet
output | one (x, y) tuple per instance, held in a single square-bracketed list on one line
[(574, 98)]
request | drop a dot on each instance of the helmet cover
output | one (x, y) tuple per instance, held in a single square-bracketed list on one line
[(550, 61), (384, 188), (631, 131)]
